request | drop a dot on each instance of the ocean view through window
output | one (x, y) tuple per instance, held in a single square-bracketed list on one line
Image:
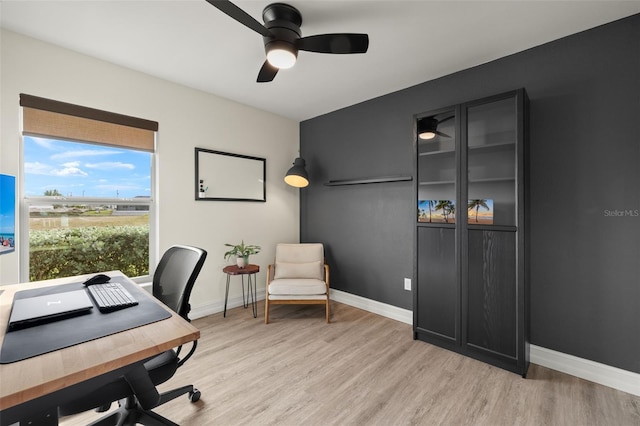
[(89, 207)]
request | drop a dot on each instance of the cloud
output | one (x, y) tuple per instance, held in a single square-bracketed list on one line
[(110, 165), (43, 143), (37, 168), (83, 153), (68, 169)]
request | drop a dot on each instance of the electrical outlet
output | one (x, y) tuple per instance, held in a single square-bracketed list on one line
[(407, 284)]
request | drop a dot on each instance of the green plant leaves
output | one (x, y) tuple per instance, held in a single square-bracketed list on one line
[(74, 251)]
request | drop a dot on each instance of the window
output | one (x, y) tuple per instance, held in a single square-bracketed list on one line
[(88, 194)]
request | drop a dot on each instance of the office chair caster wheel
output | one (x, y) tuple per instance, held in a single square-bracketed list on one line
[(194, 396)]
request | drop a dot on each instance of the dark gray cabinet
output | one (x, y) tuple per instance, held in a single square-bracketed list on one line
[(438, 282), (471, 293)]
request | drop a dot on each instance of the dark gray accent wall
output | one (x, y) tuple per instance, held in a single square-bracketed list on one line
[(583, 178)]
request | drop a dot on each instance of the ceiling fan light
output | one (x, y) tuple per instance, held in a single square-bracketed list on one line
[(281, 58), (427, 128), (281, 55), (427, 135)]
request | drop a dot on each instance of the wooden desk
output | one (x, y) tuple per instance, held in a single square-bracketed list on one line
[(33, 384)]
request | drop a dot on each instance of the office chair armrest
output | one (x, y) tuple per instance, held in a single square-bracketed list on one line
[(193, 349)]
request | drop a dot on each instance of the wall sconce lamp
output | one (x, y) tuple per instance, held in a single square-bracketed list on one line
[(297, 175)]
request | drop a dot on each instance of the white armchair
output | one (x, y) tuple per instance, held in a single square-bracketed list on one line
[(298, 276)]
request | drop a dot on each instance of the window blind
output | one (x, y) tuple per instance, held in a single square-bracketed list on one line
[(55, 119)]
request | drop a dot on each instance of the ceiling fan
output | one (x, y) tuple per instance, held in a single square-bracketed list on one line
[(428, 127), (282, 36)]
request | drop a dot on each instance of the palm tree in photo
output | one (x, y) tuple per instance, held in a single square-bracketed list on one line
[(447, 208), (476, 204), (451, 209), (431, 204)]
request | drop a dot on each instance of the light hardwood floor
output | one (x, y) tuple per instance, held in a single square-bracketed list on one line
[(364, 369)]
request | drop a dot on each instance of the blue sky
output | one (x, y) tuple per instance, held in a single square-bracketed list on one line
[(84, 170)]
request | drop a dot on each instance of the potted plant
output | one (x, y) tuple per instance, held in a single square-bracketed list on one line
[(241, 252)]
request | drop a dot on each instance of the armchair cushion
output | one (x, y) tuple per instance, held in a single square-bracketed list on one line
[(299, 270), (299, 253), (297, 286)]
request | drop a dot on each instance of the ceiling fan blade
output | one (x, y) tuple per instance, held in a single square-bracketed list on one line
[(334, 43), (225, 6), (267, 73), (439, 133)]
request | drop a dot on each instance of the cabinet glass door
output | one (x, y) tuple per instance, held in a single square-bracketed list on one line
[(491, 163), (437, 168)]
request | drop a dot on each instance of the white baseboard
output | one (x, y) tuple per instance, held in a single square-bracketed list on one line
[(603, 374), (389, 311), (596, 372), (214, 308)]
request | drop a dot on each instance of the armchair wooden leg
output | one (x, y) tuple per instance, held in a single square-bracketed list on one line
[(266, 309), (328, 313)]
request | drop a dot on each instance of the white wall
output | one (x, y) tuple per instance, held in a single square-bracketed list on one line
[(187, 118)]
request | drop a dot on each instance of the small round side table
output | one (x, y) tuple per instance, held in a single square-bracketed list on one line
[(250, 271)]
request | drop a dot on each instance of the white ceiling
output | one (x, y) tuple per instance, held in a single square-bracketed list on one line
[(192, 43)]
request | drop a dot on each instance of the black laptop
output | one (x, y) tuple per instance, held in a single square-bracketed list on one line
[(41, 309)]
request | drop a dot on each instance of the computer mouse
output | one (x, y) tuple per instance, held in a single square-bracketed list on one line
[(97, 279)]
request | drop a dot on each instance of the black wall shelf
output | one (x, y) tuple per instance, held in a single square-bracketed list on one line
[(363, 181)]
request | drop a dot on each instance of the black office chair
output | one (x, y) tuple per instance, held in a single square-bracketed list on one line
[(172, 283)]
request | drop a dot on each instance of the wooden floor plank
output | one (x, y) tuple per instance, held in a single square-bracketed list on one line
[(364, 369)]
